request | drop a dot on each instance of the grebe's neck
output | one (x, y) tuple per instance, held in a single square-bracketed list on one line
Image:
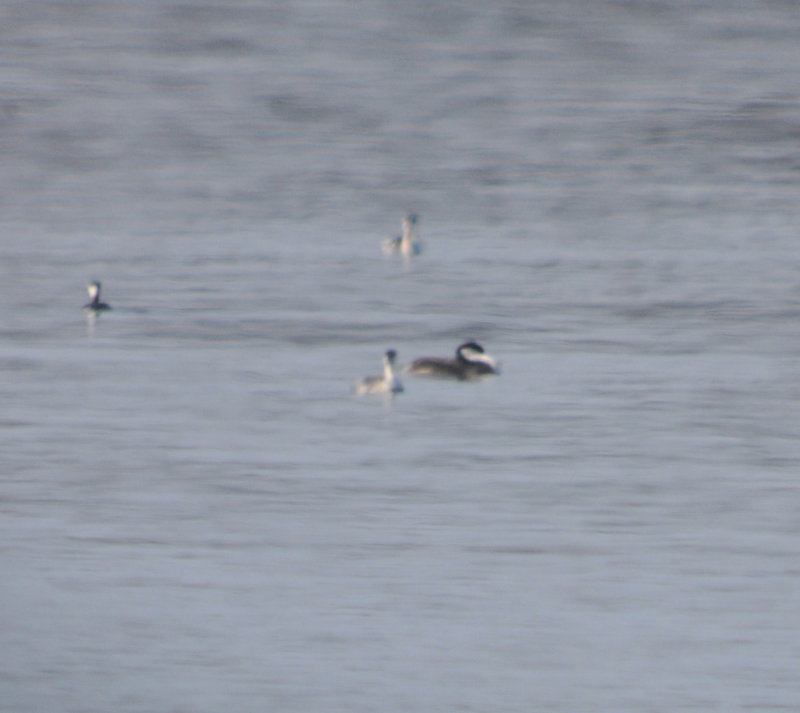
[(407, 244), (392, 382), (388, 371)]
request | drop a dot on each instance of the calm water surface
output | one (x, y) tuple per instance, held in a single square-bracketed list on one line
[(197, 515)]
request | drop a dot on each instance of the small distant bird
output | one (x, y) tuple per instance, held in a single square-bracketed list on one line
[(471, 362), (386, 384), (405, 244), (95, 306)]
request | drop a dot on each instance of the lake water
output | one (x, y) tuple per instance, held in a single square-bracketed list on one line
[(196, 515)]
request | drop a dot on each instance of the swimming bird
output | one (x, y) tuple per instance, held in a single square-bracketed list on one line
[(95, 306), (471, 362), (405, 244), (386, 384)]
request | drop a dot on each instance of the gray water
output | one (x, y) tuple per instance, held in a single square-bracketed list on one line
[(198, 516)]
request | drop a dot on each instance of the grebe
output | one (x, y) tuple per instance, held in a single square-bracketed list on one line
[(386, 384), (471, 362), (93, 288), (405, 244)]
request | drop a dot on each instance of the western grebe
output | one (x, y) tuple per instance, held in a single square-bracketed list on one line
[(386, 384), (470, 362), (405, 244), (93, 288)]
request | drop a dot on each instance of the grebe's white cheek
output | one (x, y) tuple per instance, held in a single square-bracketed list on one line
[(494, 364), (476, 358)]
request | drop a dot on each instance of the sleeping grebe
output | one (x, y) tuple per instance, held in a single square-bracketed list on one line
[(93, 288), (386, 384), (471, 362), (405, 244)]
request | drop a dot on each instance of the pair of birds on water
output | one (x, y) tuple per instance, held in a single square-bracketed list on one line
[(405, 244), (471, 362)]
